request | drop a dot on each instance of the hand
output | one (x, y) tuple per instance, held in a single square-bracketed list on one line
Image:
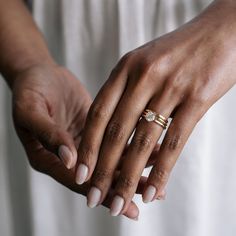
[(49, 110), (180, 75)]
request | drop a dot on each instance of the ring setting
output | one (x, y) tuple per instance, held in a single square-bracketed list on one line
[(152, 116)]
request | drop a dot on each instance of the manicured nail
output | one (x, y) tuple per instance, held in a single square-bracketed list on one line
[(117, 205), (66, 156), (81, 174), (149, 194), (93, 197)]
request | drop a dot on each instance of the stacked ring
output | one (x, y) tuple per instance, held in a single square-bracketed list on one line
[(157, 118)]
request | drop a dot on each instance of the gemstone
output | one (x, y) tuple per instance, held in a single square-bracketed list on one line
[(150, 116)]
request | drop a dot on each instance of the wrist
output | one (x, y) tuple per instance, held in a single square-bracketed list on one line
[(20, 65)]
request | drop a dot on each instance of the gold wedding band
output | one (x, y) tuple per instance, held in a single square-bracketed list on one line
[(152, 116)]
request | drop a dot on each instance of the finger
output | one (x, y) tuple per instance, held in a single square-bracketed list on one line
[(99, 115), (61, 174), (132, 211), (150, 162), (152, 159), (179, 130), (117, 134), (142, 144), (54, 138), (48, 163), (141, 187)]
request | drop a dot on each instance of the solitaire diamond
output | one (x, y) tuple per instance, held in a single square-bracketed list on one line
[(150, 116)]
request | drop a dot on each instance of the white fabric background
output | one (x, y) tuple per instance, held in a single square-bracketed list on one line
[(89, 36)]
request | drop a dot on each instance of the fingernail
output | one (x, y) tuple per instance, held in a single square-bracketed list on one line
[(136, 219), (117, 205), (93, 197), (65, 155), (149, 194), (81, 174)]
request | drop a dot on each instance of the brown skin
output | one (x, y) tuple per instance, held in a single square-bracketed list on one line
[(49, 104), (49, 109), (179, 75)]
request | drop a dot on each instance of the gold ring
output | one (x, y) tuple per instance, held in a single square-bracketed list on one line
[(150, 116)]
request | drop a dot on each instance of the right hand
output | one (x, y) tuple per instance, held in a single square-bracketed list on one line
[(49, 110)]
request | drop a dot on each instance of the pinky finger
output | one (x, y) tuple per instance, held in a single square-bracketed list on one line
[(132, 211), (141, 186), (177, 135)]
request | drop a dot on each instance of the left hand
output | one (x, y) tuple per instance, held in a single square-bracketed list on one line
[(50, 106), (180, 75)]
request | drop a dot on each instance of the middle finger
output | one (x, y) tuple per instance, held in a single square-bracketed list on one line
[(116, 136)]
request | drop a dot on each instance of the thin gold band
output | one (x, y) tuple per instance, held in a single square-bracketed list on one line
[(150, 115), (160, 123)]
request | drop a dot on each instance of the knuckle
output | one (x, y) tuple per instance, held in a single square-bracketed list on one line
[(125, 182), (199, 95), (115, 132), (197, 99), (160, 175), (100, 176), (198, 103), (97, 112), (145, 67), (142, 142), (127, 57), (147, 70), (174, 85), (160, 66), (172, 141), (86, 151)]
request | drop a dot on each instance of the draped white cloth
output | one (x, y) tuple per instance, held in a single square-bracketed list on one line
[(89, 36)]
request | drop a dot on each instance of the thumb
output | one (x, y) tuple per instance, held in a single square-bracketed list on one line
[(52, 136)]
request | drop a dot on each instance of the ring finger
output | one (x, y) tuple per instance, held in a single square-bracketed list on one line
[(145, 138)]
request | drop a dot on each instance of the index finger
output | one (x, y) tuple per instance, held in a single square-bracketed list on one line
[(98, 117)]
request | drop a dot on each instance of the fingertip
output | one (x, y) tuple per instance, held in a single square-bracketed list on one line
[(81, 174), (93, 197), (149, 194), (66, 156), (132, 212), (75, 156)]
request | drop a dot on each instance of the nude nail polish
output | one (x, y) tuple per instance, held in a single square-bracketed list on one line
[(66, 156), (117, 205), (149, 194), (93, 197), (81, 174)]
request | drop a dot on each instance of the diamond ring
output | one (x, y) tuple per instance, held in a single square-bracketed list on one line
[(152, 116)]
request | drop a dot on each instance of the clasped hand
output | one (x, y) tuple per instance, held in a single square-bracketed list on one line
[(179, 75)]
